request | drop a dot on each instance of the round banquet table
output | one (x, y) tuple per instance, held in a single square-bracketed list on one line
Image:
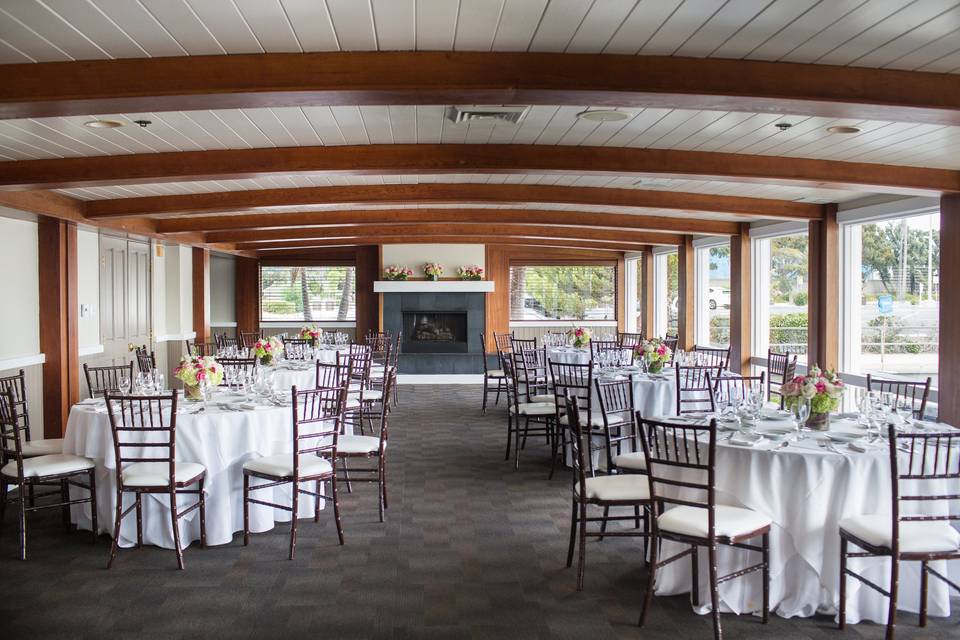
[(221, 440), (806, 490), (302, 374)]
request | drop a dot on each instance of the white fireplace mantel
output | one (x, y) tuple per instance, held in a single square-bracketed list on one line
[(433, 286)]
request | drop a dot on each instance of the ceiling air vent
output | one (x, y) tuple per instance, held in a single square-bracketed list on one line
[(473, 113)]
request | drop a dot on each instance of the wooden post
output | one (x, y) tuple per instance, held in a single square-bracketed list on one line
[(948, 409), (646, 292), (57, 251), (201, 293), (247, 296), (740, 300), (823, 289), (621, 293), (368, 302), (685, 286), (497, 314)]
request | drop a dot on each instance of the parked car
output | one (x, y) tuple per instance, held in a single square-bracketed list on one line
[(719, 298)]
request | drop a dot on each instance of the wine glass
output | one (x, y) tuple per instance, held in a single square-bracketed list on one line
[(801, 411), (123, 383), (206, 390), (159, 383)]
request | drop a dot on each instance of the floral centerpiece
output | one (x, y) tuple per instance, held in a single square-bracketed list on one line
[(195, 369), (311, 333), (655, 353), (579, 336), (433, 270), (396, 272), (267, 348), (823, 389), (470, 273)]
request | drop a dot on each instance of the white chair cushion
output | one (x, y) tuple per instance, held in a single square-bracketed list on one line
[(618, 488), (49, 465), (596, 419), (495, 373), (543, 397), (157, 474), (42, 447), (635, 461), (730, 521), (353, 402), (372, 395), (281, 465), (358, 444), (536, 409), (915, 536)]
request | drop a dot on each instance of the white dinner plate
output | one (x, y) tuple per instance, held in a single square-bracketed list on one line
[(776, 431), (841, 436), (776, 415)]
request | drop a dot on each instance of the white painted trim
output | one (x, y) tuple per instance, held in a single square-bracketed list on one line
[(22, 361), (433, 286), (562, 323), (896, 209), (323, 324), (702, 242), (224, 325), (411, 378), (90, 351), (658, 251), (779, 229), (173, 337)]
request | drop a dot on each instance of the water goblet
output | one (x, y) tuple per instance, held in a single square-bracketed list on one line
[(123, 383), (159, 383), (801, 411)]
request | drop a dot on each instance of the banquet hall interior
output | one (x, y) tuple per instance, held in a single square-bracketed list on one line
[(479, 318)]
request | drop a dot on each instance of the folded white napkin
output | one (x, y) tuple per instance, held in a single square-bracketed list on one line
[(862, 446), (746, 439)]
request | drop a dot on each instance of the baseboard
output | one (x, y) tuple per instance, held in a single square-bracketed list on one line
[(467, 378)]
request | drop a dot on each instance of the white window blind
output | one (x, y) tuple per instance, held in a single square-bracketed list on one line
[(308, 293), (563, 292)]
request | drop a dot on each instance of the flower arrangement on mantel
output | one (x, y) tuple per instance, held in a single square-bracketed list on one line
[(311, 332), (193, 370), (266, 349), (579, 336), (655, 352), (823, 389), (470, 273), (396, 272), (433, 270)]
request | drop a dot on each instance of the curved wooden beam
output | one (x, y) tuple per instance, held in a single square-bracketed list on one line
[(429, 159), (444, 193), (311, 219), (375, 78)]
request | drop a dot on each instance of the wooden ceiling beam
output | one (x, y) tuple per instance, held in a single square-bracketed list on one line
[(446, 229), (310, 219), (378, 78), (432, 159), (300, 245), (446, 193)]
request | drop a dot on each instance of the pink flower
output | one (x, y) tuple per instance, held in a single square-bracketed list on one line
[(821, 388), (662, 350)]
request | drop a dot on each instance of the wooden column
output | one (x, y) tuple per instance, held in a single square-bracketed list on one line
[(57, 265), (201, 293), (823, 289), (620, 299), (247, 295), (685, 285), (368, 302), (949, 402), (646, 292), (740, 300), (497, 314)]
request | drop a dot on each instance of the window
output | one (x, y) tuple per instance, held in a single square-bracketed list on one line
[(666, 285), (713, 295), (780, 265), (308, 293), (891, 286), (567, 292)]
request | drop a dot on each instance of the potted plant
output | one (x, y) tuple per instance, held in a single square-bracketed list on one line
[(470, 273), (655, 353), (579, 336), (267, 348), (396, 272), (822, 389), (433, 270), (193, 370)]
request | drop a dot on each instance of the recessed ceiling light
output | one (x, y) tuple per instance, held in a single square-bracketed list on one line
[(843, 129), (103, 124), (603, 115)]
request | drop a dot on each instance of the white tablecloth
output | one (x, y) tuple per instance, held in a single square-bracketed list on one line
[(806, 490), (303, 375), (219, 440)]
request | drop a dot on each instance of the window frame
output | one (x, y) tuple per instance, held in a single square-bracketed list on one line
[(296, 324), (701, 290), (565, 263), (661, 320)]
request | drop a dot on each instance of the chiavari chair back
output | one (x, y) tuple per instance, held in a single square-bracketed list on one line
[(671, 343), (630, 339), (107, 378), (727, 384), (912, 392), (576, 381), (495, 375), (201, 349), (249, 338), (713, 356), (596, 346), (16, 387), (694, 388), (615, 404), (504, 344), (225, 342), (297, 348), (331, 375), (235, 370), (781, 368), (380, 362), (532, 373), (146, 360), (378, 340), (522, 344)]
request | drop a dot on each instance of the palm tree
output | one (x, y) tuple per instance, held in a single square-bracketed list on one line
[(301, 272), (346, 289)]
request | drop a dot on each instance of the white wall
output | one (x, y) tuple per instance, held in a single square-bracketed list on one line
[(223, 276), (19, 289), (451, 256), (88, 288)]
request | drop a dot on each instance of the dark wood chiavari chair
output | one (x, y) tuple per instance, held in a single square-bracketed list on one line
[(396, 365), (694, 388), (617, 410), (518, 345), (144, 432), (224, 341), (353, 447), (781, 368), (540, 414), (28, 472), (16, 386), (727, 383), (605, 346), (912, 392), (200, 348), (503, 343), (573, 380), (924, 471), (331, 375), (375, 391), (317, 421), (249, 338), (236, 369), (357, 360), (602, 491), (296, 348), (713, 356), (146, 360), (378, 340), (687, 451), (630, 339), (103, 379), (490, 375), (671, 342)]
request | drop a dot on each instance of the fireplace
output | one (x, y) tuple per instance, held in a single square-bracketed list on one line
[(434, 332)]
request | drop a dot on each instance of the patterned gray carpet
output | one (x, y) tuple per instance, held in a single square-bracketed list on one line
[(471, 549)]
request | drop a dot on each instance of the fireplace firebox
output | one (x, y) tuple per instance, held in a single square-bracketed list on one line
[(434, 332)]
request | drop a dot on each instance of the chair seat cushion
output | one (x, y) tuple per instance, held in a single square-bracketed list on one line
[(596, 419), (358, 444), (915, 536), (157, 474), (281, 465), (618, 488), (33, 448), (730, 521), (635, 461), (495, 373), (49, 465), (372, 395), (543, 397), (536, 409)]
